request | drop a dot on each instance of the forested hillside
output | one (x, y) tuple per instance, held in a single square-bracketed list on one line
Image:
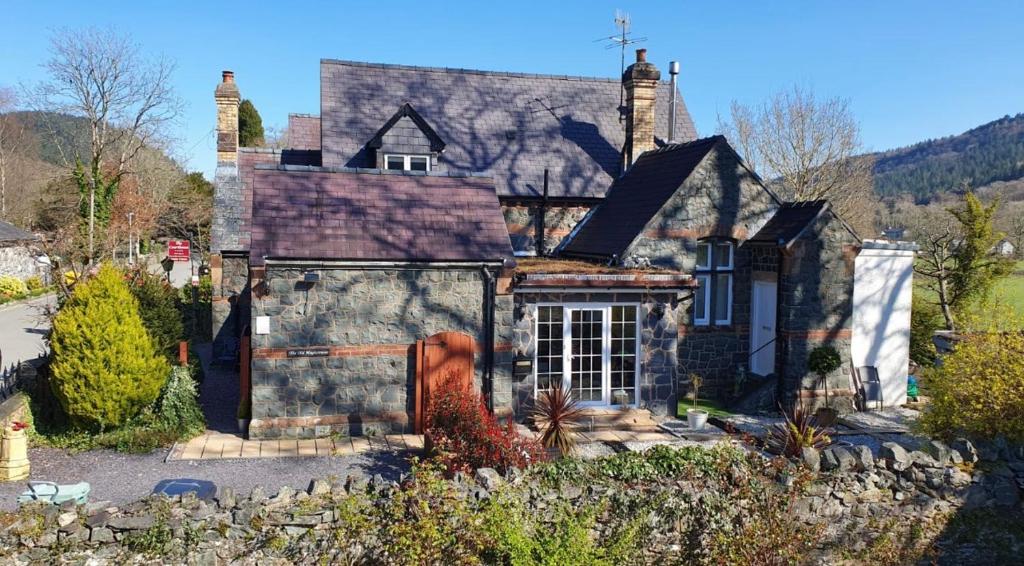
[(991, 153)]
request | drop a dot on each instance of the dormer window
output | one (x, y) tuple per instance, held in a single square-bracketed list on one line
[(405, 162)]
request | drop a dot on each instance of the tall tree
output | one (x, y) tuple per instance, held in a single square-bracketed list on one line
[(250, 125), (128, 101), (807, 149), (12, 137), (956, 259)]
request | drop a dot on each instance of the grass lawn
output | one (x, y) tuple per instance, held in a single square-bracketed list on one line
[(713, 408)]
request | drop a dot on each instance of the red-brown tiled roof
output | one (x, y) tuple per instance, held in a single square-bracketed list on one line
[(362, 214)]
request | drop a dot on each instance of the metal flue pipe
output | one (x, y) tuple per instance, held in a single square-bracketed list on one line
[(673, 71)]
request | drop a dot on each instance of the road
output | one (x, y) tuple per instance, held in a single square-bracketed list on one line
[(22, 328)]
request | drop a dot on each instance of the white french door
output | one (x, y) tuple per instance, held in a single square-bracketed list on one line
[(591, 350)]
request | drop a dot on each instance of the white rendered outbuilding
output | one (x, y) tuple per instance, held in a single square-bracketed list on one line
[(883, 287)]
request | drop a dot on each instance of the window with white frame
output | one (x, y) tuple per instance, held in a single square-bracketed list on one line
[(712, 303), (590, 349), (403, 162)]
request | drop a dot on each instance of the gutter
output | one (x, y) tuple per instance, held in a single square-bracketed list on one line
[(489, 306), (427, 264)]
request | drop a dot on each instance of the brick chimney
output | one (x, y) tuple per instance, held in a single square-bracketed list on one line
[(227, 98), (640, 81)]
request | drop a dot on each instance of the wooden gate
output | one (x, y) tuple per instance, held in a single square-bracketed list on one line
[(436, 357)]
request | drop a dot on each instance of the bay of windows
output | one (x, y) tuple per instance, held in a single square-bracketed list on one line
[(712, 302)]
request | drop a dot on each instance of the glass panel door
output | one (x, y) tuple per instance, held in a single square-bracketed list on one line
[(586, 366)]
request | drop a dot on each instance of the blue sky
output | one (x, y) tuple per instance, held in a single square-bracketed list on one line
[(911, 69)]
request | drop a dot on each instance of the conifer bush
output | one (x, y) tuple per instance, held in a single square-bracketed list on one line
[(105, 368), (11, 287), (158, 307)]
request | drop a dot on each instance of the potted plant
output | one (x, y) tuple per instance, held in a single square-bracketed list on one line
[(244, 415), (556, 413), (696, 418), (823, 361)]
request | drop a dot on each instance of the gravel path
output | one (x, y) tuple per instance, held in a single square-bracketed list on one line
[(122, 478)]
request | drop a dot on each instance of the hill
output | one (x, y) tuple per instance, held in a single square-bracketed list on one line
[(991, 155)]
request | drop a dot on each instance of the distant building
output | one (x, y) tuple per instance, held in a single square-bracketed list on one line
[(1004, 248), (20, 255), (893, 234)]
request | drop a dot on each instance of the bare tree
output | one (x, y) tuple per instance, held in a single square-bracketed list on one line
[(807, 148), (128, 101), (937, 233), (12, 137)]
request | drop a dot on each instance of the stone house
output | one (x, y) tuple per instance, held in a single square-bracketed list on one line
[(575, 227), (20, 255)]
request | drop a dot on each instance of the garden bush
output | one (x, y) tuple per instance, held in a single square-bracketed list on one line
[(105, 369), (34, 283), (925, 319), (197, 321), (178, 407), (464, 435), (978, 390), (158, 308), (12, 288)]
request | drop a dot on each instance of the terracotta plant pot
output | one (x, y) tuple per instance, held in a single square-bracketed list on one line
[(696, 418)]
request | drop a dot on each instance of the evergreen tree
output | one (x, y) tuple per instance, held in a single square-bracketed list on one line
[(250, 125), (977, 266), (104, 367)]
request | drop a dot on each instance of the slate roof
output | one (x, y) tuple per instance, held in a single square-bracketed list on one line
[(347, 214), (510, 125), (11, 233), (636, 197), (789, 222)]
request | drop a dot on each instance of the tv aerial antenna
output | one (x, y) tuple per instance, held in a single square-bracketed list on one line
[(622, 39)]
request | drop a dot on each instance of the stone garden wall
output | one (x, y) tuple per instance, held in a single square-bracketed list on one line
[(856, 498), (368, 321)]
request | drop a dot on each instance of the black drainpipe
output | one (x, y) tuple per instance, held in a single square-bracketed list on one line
[(542, 217), (489, 292)]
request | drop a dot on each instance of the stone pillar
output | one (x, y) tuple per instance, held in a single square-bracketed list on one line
[(641, 84), (227, 221)]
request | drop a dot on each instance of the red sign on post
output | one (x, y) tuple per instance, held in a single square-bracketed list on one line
[(178, 250)]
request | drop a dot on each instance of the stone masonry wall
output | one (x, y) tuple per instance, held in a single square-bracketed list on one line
[(370, 320), (231, 299), (658, 344), (20, 261), (817, 308), (523, 221), (720, 199)]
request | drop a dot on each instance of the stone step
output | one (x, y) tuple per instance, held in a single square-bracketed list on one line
[(638, 420)]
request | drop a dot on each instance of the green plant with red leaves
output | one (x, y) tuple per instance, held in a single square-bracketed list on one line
[(557, 414), (799, 431), (463, 435)]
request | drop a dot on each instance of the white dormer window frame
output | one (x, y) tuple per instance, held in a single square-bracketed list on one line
[(407, 160)]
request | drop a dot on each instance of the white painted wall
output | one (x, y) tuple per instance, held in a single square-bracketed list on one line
[(883, 286)]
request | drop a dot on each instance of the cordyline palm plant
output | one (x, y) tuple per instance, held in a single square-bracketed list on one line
[(800, 431), (557, 414)]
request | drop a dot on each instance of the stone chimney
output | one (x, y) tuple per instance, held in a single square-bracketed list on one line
[(227, 98), (640, 81)]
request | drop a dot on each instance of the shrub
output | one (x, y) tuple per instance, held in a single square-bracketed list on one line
[(105, 368), (12, 288), (557, 414), (798, 432), (159, 311), (979, 388), (34, 283), (178, 407), (197, 321), (464, 435)]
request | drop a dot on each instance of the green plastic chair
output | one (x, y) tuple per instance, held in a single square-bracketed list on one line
[(49, 492)]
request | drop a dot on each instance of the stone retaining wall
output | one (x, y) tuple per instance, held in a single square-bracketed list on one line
[(857, 498)]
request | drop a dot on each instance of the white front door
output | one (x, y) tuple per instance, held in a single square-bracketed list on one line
[(762, 328)]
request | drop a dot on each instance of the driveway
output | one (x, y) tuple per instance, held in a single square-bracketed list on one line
[(23, 327)]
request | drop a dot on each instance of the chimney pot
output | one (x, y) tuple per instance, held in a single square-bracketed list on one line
[(228, 76), (641, 55)]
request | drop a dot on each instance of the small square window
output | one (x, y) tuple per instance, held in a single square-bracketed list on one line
[(723, 255), (395, 162), (417, 163)]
